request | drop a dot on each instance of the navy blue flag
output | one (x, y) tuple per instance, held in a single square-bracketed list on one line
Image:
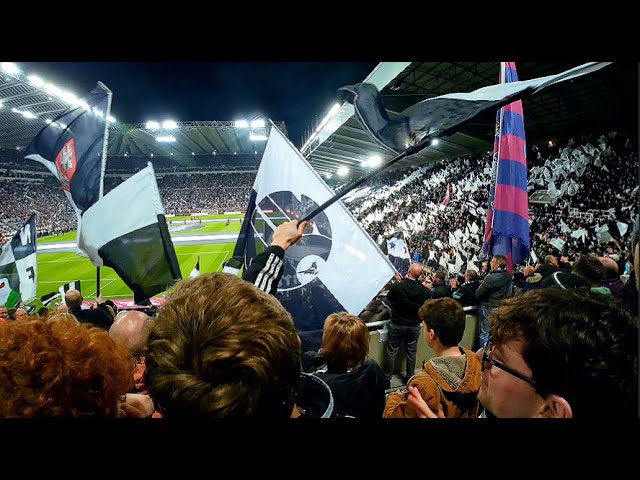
[(446, 114), (73, 148)]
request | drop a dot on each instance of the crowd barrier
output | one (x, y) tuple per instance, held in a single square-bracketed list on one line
[(378, 338)]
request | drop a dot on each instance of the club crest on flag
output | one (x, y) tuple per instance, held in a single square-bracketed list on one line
[(66, 163)]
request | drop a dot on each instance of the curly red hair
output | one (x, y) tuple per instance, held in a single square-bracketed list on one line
[(58, 369)]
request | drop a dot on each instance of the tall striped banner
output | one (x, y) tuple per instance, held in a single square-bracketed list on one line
[(507, 228)]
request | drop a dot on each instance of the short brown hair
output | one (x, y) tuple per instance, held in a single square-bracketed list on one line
[(444, 316), (222, 348), (345, 341), (60, 369)]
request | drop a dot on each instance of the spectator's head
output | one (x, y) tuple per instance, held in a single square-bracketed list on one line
[(443, 321), (61, 369), (438, 278), (345, 341), (73, 299), (610, 267), (43, 312), (498, 261), (4, 314), (21, 314), (590, 269), (222, 348), (415, 270), (471, 276), (551, 350), (551, 260), (131, 328)]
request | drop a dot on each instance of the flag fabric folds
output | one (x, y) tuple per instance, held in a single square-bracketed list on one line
[(196, 270), (507, 228), (397, 252), (443, 115), (73, 148), (335, 266), (127, 231), (19, 267)]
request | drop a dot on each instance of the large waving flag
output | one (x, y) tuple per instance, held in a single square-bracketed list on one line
[(18, 266), (446, 114), (127, 231), (73, 147), (336, 266), (507, 228)]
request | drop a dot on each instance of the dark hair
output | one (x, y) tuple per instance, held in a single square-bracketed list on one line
[(501, 261), (578, 344), (589, 268), (444, 316)]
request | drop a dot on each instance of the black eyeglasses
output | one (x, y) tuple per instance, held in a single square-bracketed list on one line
[(486, 359)]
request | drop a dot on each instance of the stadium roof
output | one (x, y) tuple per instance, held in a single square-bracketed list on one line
[(27, 102), (592, 104)]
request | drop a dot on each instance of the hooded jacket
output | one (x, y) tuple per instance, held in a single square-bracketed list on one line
[(451, 383)]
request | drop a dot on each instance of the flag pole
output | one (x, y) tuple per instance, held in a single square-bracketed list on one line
[(97, 282), (425, 142)]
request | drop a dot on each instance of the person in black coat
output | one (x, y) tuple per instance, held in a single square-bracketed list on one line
[(356, 381), (440, 288), (466, 293), (99, 317), (496, 286)]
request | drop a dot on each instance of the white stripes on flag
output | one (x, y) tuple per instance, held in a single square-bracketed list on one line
[(268, 273)]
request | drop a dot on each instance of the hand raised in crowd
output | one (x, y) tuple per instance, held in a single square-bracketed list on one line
[(100, 299), (288, 233), (417, 402), (398, 277)]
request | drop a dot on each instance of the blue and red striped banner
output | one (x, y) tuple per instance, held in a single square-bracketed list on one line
[(507, 229)]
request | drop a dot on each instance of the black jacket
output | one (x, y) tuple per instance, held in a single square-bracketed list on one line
[(441, 291), (496, 286), (406, 298), (266, 269), (358, 393), (98, 317), (466, 294)]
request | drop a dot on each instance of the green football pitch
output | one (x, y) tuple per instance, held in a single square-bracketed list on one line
[(55, 269)]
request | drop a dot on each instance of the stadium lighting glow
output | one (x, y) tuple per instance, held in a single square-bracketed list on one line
[(214, 153), (235, 153), (166, 138), (435, 141), (10, 68), (257, 138), (111, 119), (28, 115), (193, 153), (35, 80), (48, 120), (169, 125), (242, 124), (259, 123), (152, 125), (15, 110), (255, 152), (374, 161), (17, 148), (126, 154), (172, 154), (151, 155), (551, 143), (63, 126), (328, 176), (343, 171), (52, 89), (68, 97)]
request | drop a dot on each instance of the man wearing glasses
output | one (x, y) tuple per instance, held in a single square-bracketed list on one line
[(558, 354)]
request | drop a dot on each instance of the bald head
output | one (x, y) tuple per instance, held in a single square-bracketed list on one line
[(131, 328), (610, 267), (415, 270), (73, 298)]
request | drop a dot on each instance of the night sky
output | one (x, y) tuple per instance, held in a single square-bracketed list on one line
[(298, 93)]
